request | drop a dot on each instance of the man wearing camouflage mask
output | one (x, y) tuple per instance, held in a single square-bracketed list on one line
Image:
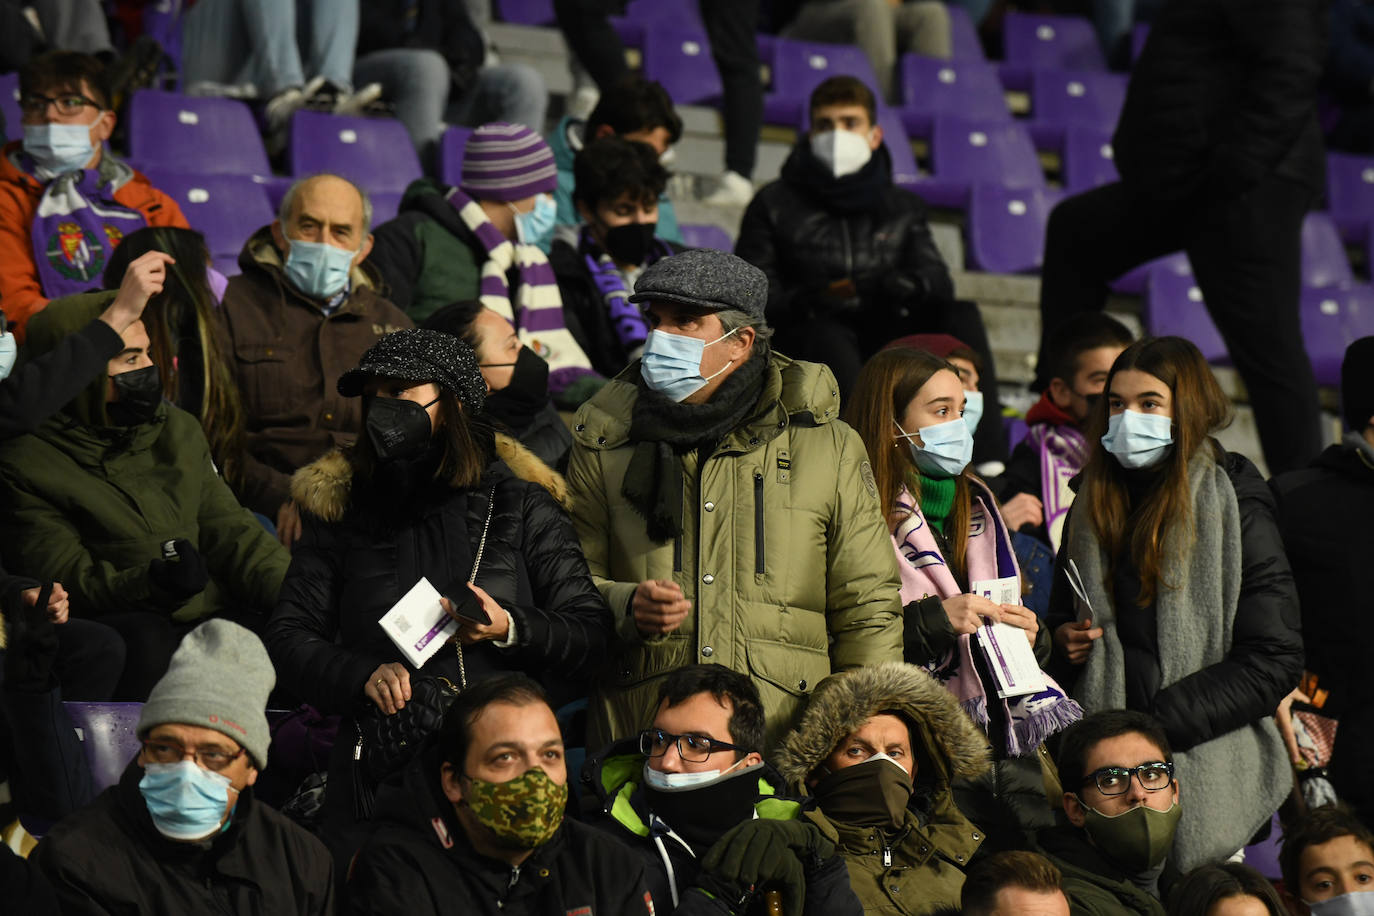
[(475, 824)]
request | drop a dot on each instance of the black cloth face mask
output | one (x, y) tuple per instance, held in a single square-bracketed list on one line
[(526, 394), (630, 243), (397, 428), (140, 393)]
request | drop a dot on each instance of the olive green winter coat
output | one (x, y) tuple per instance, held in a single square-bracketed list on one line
[(784, 552), (89, 505)]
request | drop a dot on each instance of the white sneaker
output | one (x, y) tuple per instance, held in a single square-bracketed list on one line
[(583, 102), (281, 107), (734, 191), (354, 103)]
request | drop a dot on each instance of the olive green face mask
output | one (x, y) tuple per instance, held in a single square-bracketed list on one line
[(522, 813), (1138, 839)]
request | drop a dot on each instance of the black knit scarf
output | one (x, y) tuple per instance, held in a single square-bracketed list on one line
[(664, 430)]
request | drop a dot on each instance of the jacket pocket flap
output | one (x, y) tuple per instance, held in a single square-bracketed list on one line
[(788, 666)]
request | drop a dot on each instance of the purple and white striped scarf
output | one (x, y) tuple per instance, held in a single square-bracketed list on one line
[(536, 307), (631, 328), (1063, 452)]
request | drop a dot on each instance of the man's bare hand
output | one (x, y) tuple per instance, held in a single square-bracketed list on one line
[(142, 281), (659, 607)]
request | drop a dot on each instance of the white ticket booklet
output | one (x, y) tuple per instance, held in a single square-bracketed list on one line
[(1008, 652), (418, 625)]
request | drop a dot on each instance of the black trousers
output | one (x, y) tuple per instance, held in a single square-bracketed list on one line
[(730, 26), (1246, 254)]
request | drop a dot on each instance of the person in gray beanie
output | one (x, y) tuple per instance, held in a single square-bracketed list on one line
[(181, 831), (727, 513)]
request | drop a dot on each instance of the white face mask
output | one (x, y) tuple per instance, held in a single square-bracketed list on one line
[(1354, 904), (670, 781), (843, 151)]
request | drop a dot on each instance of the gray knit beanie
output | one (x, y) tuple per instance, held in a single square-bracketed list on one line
[(219, 678)]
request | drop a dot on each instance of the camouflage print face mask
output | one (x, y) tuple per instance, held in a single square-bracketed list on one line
[(521, 814)]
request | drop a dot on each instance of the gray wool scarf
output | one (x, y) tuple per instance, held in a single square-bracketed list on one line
[(1231, 785)]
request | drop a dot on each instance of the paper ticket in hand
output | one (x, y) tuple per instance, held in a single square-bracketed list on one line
[(1009, 654), (418, 625)]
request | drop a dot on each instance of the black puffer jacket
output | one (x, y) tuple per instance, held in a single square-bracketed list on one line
[(1266, 656), (1224, 95), (345, 574), (1324, 513), (809, 229)]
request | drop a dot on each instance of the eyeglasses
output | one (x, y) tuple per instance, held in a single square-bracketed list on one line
[(654, 742), (35, 105), (1117, 780), (211, 758)]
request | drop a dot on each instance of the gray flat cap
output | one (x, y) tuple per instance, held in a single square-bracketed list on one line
[(706, 279)]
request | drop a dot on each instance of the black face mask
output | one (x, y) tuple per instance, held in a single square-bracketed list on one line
[(398, 429), (630, 243), (874, 793), (704, 814), (140, 393), (526, 394)]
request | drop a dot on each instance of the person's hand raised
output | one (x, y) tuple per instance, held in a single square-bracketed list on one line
[(142, 281)]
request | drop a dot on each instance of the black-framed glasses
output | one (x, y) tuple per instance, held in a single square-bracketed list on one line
[(211, 758), (69, 103), (654, 742), (1117, 780)]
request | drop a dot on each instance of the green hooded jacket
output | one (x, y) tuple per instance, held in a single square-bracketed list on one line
[(89, 505), (784, 554)]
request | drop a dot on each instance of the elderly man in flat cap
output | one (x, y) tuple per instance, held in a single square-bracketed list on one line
[(727, 514)]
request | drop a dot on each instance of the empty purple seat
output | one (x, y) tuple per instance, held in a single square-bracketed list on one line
[(1324, 263), (1173, 305), (964, 41), (1264, 855), (226, 209), (173, 132), (1044, 42), (376, 153), (930, 87), (1139, 32), (1016, 430), (1060, 98), (1133, 281), (1333, 319), (645, 17), (385, 206), (526, 12), (9, 105), (109, 737), (680, 58), (1006, 227), (964, 151), (1087, 158), (705, 235), (1350, 194), (905, 172), (801, 66), (451, 147)]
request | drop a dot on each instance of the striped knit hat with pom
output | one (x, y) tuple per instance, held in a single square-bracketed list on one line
[(507, 162)]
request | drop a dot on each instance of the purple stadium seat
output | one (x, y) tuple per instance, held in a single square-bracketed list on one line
[(905, 172), (175, 132), (1173, 305), (931, 87), (680, 58), (526, 12), (964, 151), (706, 235), (645, 17), (1016, 430), (1333, 319), (226, 209), (385, 205), (1264, 855), (1006, 227), (1350, 194), (227, 266), (1324, 263), (109, 737), (1139, 32), (9, 105), (451, 147), (1133, 281), (1043, 42), (374, 152), (964, 41), (1087, 158), (801, 66), (1060, 98)]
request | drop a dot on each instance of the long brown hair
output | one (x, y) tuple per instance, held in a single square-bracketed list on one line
[(1199, 408), (885, 386), (467, 445)]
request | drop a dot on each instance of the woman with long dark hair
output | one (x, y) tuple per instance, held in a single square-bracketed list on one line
[(1173, 595)]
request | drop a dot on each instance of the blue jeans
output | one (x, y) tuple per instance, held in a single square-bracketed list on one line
[(269, 44), (417, 82)]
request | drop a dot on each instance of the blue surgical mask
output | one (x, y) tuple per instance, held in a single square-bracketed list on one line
[(9, 352), (1359, 903), (318, 269), (58, 148), (536, 226), (1139, 440), (947, 450), (973, 409), (185, 800), (671, 364)]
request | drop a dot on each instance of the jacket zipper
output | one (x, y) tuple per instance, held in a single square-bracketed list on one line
[(758, 523)]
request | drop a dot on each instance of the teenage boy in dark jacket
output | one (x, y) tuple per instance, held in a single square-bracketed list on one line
[(849, 256), (476, 823)]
